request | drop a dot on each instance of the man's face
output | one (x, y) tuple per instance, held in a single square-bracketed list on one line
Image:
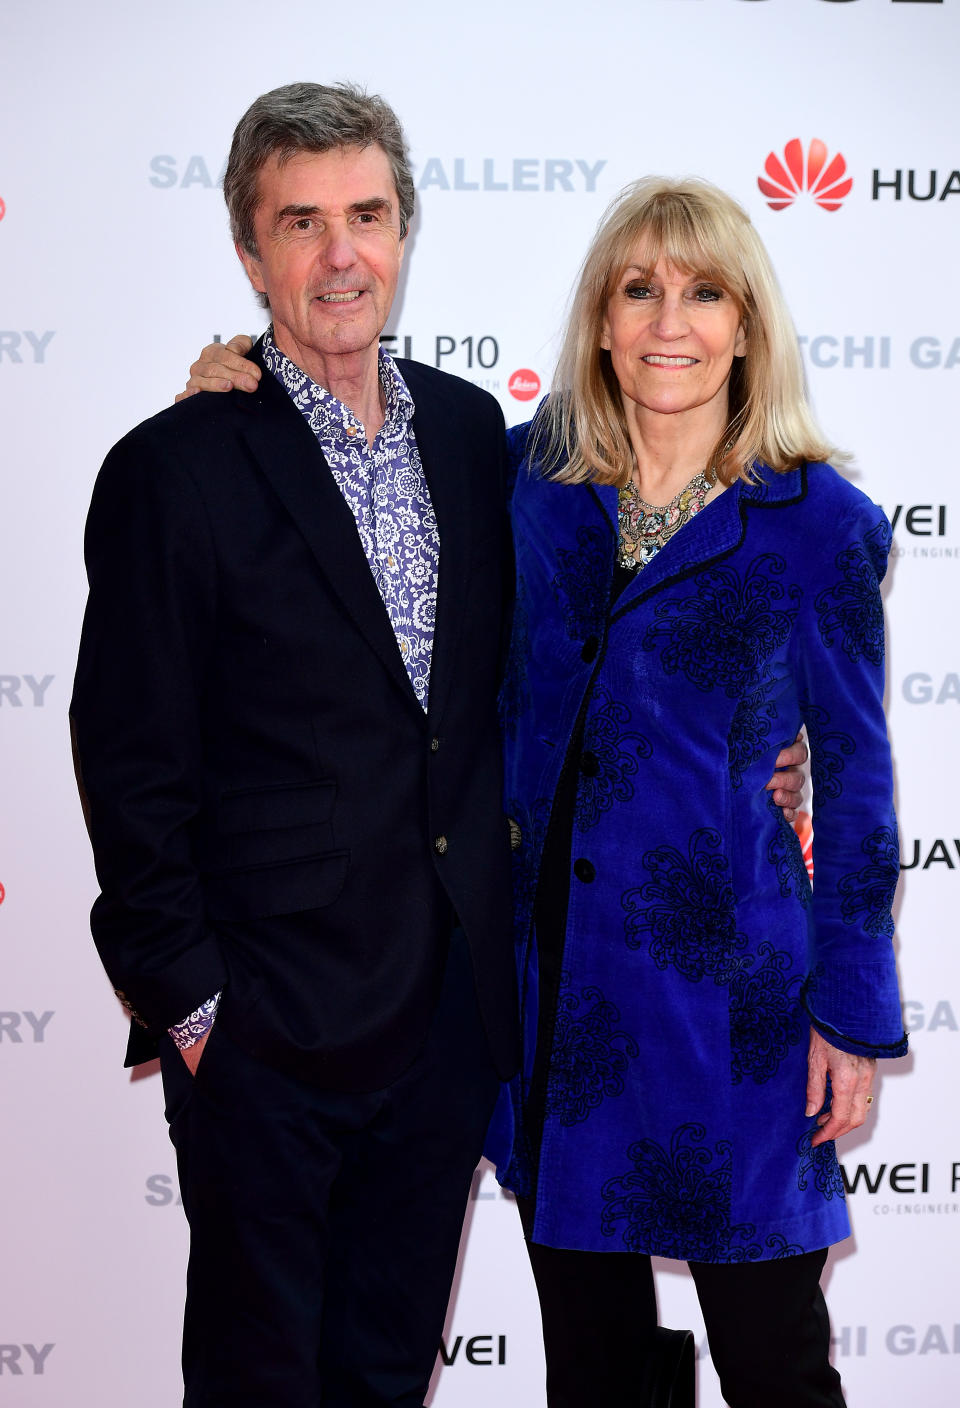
[(328, 236)]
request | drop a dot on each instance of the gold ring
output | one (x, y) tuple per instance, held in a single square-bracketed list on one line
[(869, 1099)]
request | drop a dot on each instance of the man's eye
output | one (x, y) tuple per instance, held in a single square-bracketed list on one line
[(304, 223)]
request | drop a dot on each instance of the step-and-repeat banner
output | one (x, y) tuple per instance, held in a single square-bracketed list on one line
[(524, 120)]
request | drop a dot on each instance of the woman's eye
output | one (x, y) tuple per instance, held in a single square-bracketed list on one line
[(638, 291), (706, 293)]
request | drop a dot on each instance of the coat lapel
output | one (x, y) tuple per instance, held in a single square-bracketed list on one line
[(289, 457), (442, 456), (715, 532)]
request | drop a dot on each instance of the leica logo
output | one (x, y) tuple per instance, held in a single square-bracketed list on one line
[(524, 384), (826, 182)]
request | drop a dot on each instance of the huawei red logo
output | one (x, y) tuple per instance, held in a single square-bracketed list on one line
[(3, 208), (3, 894), (827, 183), (524, 384)]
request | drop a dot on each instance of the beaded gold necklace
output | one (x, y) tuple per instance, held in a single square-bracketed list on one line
[(644, 528)]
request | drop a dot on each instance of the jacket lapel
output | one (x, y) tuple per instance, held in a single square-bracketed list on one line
[(714, 533), (289, 457), (442, 456)]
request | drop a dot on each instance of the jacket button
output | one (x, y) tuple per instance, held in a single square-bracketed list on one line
[(589, 763), (440, 845), (584, 870), (589, 652), (434, 745)]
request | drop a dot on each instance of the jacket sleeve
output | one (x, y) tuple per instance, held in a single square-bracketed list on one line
[(852, 991), (137, 720)]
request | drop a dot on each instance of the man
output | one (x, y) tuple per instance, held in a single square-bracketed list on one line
[(285, 730)]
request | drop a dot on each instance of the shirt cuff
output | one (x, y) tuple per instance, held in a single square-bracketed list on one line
[(193, 1028)]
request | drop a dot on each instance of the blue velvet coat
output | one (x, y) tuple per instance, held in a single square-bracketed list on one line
[(696, 955)]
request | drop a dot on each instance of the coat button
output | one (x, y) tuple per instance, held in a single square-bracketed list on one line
[(440, 845), (434, 745), (584, 870), (589, 763), (589, 652)]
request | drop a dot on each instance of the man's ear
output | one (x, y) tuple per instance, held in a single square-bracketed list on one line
[(252, 267)]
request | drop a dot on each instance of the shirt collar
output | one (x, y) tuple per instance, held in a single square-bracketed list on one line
[(320, 405)]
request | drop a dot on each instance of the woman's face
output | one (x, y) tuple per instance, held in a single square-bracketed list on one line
[(672, 338)]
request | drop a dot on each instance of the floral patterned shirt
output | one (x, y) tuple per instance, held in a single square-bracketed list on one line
[(386, 490)]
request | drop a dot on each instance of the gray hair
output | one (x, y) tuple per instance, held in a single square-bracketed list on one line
[(309, 117)]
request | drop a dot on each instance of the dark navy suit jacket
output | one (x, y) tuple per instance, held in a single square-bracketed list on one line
[(271, 811)]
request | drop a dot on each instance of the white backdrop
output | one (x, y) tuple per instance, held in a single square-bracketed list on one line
[(524, 121)]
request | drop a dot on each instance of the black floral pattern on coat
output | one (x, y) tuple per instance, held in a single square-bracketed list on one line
[(819, 1166), (866, 895), (583, 582), (766, 1015), (724, 632), (590, 1058), (616, 753), (785, 854), (878, 543), (688, 909), (515, 690), (828, 748), (749, 731), (851, 611), (676, 1202), (781, 1248)]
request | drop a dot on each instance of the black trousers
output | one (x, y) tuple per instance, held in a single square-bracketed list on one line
[(766, 1324), (324, 1226)]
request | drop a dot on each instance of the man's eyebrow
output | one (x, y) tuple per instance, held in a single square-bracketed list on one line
[(295, 211), (373, 205)]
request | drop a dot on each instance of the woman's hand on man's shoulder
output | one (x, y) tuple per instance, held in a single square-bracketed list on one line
[(222, 366)]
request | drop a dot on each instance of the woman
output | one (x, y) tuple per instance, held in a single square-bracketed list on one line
[(692, 584)]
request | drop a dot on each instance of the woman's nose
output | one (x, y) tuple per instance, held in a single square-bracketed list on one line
[(671, 320)]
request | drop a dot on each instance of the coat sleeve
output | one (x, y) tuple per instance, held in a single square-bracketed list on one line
[(852, 992), (136, 719)]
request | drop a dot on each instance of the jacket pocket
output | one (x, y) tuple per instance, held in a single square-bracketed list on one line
[(276, 807), (277, 887), (273, 851)]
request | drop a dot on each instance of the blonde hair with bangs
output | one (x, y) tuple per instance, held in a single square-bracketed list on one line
[(581, 433)]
